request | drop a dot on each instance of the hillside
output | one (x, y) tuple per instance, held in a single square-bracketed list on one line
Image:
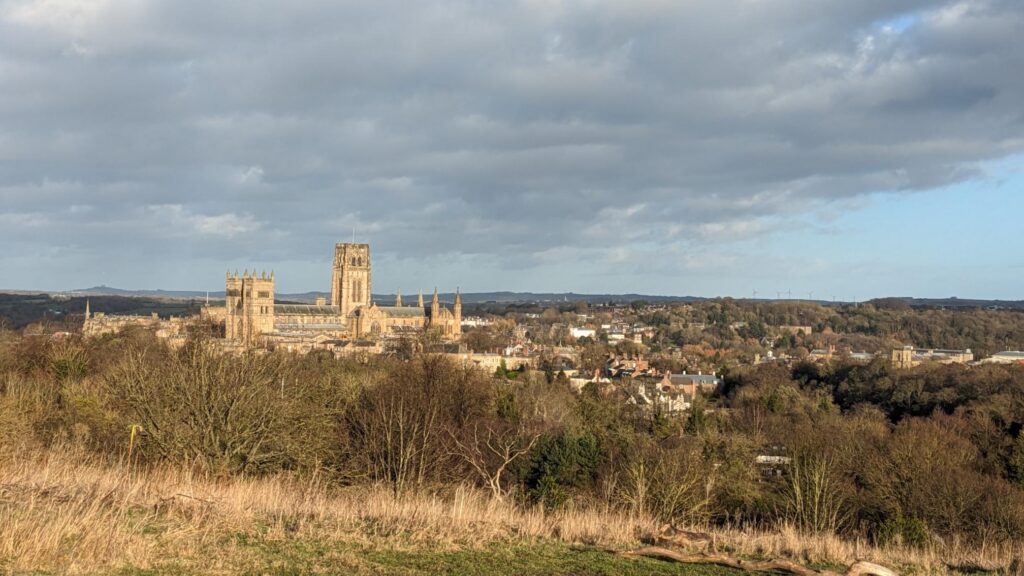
[(61, 512), (467, 297), (19, 310)]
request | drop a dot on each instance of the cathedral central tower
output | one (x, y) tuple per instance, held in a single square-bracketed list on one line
[(350, 280)]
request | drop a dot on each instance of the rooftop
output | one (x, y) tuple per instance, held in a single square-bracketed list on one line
[(402, 311), (307, 309)]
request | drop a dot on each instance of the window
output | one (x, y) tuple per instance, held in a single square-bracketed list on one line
[(264, 294)]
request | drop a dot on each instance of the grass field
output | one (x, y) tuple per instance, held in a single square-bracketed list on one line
[(65, 514), (339, 556), (59, 515)]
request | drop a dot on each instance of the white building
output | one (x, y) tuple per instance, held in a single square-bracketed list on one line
[(1008, 357), (583, 332)]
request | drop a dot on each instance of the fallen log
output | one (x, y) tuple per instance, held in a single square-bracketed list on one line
[(868, 569), (669, 535), (860, 568)]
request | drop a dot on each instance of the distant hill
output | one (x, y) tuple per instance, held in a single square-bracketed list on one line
[(174, 294), (467, 297), (529, 298), (947, 303)]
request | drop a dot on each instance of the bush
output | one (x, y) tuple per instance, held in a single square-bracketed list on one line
[(223, 412), (398, 432), (559, 463), (902, 531), (672, 483), (68, 362)]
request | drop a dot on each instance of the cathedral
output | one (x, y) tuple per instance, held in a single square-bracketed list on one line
[(251, 317)]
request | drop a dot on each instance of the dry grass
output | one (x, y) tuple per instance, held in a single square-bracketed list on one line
[(60, 512), (950, 557)]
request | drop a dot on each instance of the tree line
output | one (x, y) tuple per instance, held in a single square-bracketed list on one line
[(865, 451)]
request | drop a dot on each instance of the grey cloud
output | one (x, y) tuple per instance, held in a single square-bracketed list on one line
[(469, 128)]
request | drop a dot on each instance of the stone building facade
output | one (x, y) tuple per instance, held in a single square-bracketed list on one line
[(174, 329), (252, 318), (909, 357)]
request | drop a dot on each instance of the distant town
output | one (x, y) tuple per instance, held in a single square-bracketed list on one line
[(662, 353)]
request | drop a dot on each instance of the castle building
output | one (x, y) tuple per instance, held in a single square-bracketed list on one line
[(251, 317), (173, 329), (909, 357)]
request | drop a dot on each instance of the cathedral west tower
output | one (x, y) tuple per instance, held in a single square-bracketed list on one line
[(350, 280)]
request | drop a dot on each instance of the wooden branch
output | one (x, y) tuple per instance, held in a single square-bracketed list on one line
[(868, 569), (671, 536), (858, 569)]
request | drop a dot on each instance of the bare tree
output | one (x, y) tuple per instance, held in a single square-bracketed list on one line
[(672, 484), (815, 498), (490, 448), (397, 430), (398, 437)]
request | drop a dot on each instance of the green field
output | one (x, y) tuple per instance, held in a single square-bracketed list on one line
[(292, 557)]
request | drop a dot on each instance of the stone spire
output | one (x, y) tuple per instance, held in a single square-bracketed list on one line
[(398, 298), (435, 305), (87, 314), (458, 306), (419, 301)]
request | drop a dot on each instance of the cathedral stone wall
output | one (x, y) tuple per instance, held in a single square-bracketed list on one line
[(251, 316)]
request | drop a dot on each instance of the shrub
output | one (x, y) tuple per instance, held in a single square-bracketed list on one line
[(224, 412), (899, 530), (560, 462), (68, 361), (398, 431)]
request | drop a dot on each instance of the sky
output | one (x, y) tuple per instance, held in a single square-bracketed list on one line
[(827, 148)]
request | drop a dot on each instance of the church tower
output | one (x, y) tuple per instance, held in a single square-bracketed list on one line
[(249, 299), (350, 280)]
